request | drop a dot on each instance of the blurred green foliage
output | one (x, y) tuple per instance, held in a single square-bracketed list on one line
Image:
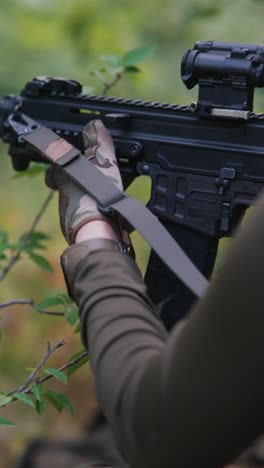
[(67, 38)]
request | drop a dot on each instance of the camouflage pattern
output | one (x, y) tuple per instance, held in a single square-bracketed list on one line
[(77, 208)]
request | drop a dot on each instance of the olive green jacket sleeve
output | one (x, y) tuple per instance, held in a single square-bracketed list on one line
[(188, 399)]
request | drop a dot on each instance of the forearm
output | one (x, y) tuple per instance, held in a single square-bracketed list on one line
[(118, 326), (123, 335), (94, 230)]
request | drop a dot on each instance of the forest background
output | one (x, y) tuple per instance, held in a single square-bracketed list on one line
[(67, 38)]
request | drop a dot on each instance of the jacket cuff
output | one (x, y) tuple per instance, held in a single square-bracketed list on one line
[(74, 254)]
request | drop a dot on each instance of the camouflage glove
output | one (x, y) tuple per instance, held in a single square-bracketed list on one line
[(77, 208)]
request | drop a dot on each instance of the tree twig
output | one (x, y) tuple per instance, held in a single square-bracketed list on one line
[(34, 380), (31, 378), (106, 85), (62, 368), (14, 259), (33, 304)]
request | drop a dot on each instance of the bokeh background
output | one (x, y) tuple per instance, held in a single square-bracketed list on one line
[(67, 38)]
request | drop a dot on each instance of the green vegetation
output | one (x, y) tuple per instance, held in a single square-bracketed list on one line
[(97, 43)]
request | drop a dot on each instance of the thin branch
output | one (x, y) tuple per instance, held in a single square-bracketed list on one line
[(106, 85), (66, 366), (99, 76), (34, 380), (33, 304), (39, 216), (16, 257), (62, 368), (32, 377)]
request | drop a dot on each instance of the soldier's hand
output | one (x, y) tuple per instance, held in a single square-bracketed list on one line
[(76, 208)]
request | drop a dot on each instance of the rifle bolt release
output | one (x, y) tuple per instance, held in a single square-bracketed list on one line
[(145, 169)]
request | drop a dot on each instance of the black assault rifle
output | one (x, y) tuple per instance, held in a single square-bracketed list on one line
[(205, 160)]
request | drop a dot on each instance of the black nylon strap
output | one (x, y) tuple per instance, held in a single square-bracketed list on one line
[(93, 181), (162, 243), (107, 195)]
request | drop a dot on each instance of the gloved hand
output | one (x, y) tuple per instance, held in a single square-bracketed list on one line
[(77, 208)]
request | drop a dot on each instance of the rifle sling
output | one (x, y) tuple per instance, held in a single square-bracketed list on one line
[(109, 197)]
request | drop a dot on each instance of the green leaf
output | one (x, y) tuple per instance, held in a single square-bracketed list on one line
[(41, 261), (40, 236), (24, 398), (77, 329), (131, 69), (57, 374), (37, 391), (36, 241), (66, 402), (4, 400), (113, 59), (65, 298), (37, 236), (33, 246), (71, 370), (6, 422), (134, 56), (71, 314), (40, 407), (74, 356), (51, 301), (53, 400), (59, 401)]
